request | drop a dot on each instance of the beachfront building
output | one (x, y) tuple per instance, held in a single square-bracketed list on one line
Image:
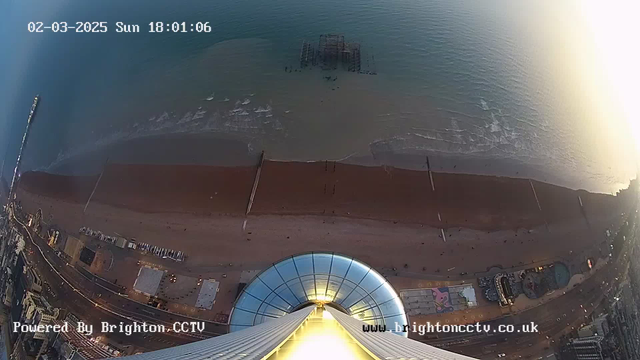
[(587, 348), (313, 306)]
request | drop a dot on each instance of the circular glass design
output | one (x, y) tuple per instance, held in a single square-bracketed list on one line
[(337, 280)]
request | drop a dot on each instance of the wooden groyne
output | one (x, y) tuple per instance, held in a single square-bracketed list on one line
[(256, 180)]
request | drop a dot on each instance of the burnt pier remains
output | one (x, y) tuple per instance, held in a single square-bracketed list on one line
[(333, 53)]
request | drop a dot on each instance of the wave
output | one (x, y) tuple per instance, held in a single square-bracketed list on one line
[(191, 122), (260, 109)]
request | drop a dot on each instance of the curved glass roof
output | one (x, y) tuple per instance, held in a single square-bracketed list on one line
[(350, 285)]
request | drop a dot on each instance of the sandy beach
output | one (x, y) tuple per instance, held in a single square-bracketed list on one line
[(383, 216), (478, 202), (212, 242)]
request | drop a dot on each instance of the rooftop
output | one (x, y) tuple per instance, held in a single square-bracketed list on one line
[(148, 280)]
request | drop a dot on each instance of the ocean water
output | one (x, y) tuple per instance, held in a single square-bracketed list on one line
[(493, 87)]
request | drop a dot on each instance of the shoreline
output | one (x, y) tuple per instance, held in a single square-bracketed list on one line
[(229, 150)]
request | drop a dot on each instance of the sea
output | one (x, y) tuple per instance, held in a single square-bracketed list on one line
[(493, 87)]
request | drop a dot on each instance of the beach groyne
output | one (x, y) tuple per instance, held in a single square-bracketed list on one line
[(330, 189)]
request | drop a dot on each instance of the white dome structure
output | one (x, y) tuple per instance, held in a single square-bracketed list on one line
[(341, 282)]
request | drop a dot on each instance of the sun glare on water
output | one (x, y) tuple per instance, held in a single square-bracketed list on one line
[(613, 27)]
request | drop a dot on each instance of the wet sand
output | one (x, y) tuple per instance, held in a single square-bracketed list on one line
[(74, 189), (479, 202), (202, 190)]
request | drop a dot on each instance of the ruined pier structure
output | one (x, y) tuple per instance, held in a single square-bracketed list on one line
[(333, 52)]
